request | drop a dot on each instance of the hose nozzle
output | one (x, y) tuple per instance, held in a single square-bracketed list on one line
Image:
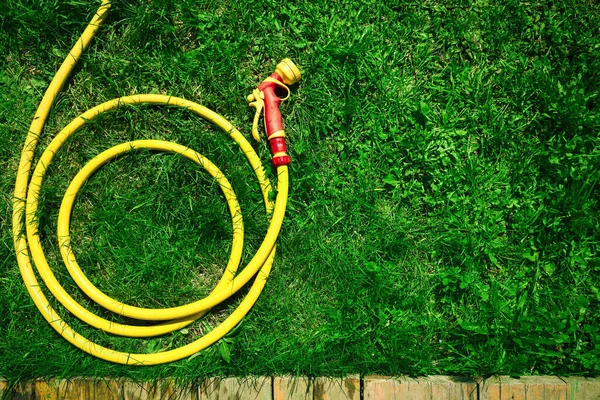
[(265, 98), (288, 71)]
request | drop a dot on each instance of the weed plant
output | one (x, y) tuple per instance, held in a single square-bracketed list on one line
[(443, 215)]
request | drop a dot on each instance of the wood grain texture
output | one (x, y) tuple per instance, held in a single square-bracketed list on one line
[(252, 388), (422, 388), (321, 388), (524, 388), (46, 390), (159, 390), (292, 388), (337, 388), (384, 387), (451, 387), (580, 388), (107, 389)]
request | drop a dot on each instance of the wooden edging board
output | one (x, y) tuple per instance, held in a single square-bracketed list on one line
[(352, 387)]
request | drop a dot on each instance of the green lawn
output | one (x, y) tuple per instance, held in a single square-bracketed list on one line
[(444, 200)]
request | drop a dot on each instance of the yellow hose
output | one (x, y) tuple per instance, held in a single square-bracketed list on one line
[(28, 246)]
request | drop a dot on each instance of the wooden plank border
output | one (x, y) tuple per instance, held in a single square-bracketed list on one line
[(353, 387), (429, 387)]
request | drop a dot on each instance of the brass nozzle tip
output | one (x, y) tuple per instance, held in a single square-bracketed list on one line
[(288, 71)]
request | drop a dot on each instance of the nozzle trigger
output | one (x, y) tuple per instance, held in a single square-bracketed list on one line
[(256, 100)]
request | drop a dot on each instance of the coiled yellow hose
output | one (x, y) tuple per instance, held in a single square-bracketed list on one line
[(29, 250)]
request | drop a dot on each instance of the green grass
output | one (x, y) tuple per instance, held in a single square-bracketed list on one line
[(443, 215)]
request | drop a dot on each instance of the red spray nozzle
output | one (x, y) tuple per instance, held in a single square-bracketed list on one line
[(286, 73)]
